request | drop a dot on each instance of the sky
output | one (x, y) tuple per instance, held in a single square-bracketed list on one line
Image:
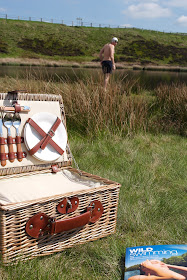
[(159, 15)]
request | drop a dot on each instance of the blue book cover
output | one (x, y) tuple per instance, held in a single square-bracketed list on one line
[(156, 262)]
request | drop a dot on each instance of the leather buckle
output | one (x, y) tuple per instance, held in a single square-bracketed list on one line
[(51, 131), (68, 205)]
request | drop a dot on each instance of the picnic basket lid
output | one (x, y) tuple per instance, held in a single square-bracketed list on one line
[(43, 132)]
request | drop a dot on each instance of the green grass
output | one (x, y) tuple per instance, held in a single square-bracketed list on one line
[(152, 205), (25, 39), (151, 167), (151, 170)]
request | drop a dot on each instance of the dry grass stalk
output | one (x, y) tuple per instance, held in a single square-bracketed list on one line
[(90, 109), (172, 101)]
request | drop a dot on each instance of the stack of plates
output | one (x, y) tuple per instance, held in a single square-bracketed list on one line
[(32, 137)]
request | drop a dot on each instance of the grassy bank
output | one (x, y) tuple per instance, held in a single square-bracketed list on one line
[(60, 43), (73, 64), (125, 135), (152, 205)]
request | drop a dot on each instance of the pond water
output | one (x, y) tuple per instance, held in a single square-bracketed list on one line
[(128, 274), (148, 79)]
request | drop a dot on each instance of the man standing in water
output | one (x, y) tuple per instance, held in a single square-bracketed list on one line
[(106, 56)]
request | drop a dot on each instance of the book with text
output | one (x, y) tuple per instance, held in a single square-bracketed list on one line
[(156, 262)]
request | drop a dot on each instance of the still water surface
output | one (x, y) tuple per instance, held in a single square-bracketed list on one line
[(148, 79), (129, 274)]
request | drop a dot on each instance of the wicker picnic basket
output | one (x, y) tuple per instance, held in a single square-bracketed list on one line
[(46, 205)]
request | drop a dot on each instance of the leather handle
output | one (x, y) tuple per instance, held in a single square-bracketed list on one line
[(71, 223), (2, 151), (41, 223)]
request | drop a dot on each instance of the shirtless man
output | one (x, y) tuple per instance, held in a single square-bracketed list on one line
[(106, 56)]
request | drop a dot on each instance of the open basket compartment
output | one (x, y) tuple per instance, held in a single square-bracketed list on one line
[(46, 205)]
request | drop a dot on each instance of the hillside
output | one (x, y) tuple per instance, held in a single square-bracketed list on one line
[(39, 40)]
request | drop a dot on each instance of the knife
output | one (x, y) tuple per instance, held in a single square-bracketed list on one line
[(2, 145), (12, 108)]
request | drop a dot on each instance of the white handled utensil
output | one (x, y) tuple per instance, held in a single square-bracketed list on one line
[(16, 123), (7, 121)]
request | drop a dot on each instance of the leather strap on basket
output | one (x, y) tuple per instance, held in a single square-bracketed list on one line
[(41, 223), (68, 205), (47, 137), (3, 141), (3, 155), (17, 108), (18, 140), (12, 140)]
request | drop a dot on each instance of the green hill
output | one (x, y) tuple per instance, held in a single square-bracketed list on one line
[(26, 39)]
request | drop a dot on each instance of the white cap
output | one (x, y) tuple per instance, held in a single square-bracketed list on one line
[(115, 40)]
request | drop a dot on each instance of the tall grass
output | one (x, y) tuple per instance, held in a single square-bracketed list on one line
[(152, 205), (172, 107), (124, 108), (91, 109), (151, 169)]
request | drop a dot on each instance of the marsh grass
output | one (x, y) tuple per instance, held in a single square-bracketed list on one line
[(151, 169), (172, 105), (125, 108)]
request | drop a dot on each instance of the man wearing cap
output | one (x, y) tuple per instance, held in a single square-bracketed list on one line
[(106, 56)]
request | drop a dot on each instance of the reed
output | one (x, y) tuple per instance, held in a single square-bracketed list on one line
[(125, 108), (91, 109), (171, 102)]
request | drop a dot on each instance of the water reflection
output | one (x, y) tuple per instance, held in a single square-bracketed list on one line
[(147, 79), (129, 274)]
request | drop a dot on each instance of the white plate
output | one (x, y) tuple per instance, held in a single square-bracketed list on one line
[(32, 137)]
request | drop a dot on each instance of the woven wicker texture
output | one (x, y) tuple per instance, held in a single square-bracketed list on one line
[(15, 244)]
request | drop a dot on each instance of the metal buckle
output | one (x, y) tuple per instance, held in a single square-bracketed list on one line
[(51, 131), (69, 204)]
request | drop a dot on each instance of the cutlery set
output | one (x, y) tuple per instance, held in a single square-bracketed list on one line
[(10, 120), (15, 108)]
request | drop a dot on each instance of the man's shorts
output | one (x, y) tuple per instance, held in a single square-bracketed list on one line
[(107, 66)]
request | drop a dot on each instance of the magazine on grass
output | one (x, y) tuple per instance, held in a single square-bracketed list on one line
[(156, 262)]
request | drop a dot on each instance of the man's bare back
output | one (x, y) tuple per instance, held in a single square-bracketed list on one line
[(107, 53), (106, 56)]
